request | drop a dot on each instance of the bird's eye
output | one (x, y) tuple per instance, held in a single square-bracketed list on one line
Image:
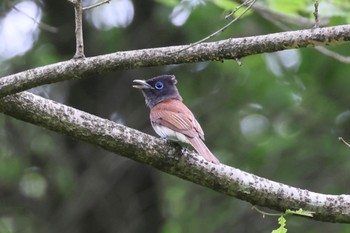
[(159, 85)]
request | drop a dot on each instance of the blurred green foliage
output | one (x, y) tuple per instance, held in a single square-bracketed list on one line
[(278, 116)]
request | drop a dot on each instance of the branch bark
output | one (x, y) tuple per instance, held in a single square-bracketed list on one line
[(170, 159), (233, 48), (79, 40)]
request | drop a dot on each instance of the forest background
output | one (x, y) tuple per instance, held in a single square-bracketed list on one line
[(278, 115)]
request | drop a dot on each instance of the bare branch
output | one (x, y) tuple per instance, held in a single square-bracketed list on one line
[(41, 25), (272, 16), (79, 51), (333, 55), (244, 3), (214, 51), (343, 141), (96, 5), (170, 159), (279, 18), (317, 21), (248, 2)]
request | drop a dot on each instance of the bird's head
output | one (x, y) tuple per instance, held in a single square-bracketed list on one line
[(158, 89)]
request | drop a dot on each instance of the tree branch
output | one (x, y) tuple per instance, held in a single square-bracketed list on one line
[(170, 159), (248, 3), (79, 40), (278, 17), (96, 5), (233, 48), (334, 55)]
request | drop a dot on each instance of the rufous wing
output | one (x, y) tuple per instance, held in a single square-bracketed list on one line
[(174, 115)]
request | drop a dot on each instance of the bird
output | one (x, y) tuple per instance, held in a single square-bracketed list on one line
[(170, 118)]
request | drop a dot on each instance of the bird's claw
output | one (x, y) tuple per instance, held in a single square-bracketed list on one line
[(185, 150)]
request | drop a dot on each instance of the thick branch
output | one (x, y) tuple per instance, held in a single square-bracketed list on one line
[(169, 158), (214, 51)]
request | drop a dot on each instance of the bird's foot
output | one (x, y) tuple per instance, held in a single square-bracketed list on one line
[(185, 150)]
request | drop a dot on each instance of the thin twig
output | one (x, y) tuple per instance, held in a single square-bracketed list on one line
[(276, 18), (245, 3), (79, 52), (343, 141), (251, 2), (317, 22), (96, 5), (279, 18), (263, 213), (333, 55), (41, 25)]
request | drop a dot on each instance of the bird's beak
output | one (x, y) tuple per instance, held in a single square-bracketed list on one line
[(142, 84)]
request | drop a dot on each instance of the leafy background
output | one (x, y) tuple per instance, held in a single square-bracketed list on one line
[(278, 115)]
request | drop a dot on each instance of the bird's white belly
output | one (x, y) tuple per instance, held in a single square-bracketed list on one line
[(170, 134)]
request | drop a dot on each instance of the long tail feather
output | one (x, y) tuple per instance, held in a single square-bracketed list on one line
[(203, 150)]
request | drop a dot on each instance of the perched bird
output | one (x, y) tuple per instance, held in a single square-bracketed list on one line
[(170, 118)]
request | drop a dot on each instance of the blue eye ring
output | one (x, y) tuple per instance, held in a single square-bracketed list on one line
[(159, 85)]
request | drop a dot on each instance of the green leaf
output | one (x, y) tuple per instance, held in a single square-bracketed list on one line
[(300, 212), (281, 229)]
